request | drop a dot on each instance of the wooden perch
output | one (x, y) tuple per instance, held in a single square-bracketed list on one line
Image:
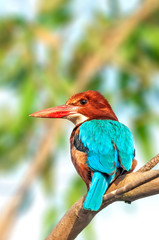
[(127, 188)]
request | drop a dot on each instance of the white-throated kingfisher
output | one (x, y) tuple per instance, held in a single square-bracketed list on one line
[(101, 146)]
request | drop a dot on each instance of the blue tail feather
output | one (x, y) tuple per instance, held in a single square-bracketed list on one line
[(98, 187)]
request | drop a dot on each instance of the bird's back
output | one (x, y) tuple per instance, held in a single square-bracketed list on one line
[(100, 148)]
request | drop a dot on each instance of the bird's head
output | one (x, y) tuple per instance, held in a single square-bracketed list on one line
[(80, 107)]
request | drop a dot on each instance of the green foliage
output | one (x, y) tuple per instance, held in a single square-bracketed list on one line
[(57, 16), (89, 43), (8, 29), (48, 176), (75, 192), (49, 220), (143, 134), (89, 232), (146, 47)]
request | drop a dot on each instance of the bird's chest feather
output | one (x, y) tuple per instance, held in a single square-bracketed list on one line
[(79, 160)]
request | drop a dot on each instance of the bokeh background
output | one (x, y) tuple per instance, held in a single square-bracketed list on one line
[(50, 50)]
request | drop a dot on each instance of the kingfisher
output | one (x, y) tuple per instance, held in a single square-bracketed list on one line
[(101, 147)]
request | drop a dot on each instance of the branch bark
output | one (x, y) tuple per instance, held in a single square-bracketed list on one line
[(127, 188), (152, 163)]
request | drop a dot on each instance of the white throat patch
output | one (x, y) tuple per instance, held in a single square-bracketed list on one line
[(77, 118)]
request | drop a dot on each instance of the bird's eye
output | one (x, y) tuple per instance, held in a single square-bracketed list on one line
[(83, 101)]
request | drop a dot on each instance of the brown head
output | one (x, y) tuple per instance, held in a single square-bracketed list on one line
[(81, 107)]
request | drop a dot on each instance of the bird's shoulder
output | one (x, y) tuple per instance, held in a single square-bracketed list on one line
[(101, 135), (76, 142)]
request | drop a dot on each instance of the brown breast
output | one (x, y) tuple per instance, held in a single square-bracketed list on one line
[(79, 159)]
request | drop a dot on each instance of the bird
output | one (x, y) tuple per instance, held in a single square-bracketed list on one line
[(102, 148)]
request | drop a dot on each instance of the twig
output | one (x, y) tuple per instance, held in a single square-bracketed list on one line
[(138, 182), (149, 165)]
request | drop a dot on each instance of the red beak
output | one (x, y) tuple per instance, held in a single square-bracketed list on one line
[(56, 112)]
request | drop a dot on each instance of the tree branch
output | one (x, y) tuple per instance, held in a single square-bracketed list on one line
[(149, 165), (138, 182), (128, 188)]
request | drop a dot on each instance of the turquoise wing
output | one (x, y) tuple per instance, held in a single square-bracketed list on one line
[(110, 145)]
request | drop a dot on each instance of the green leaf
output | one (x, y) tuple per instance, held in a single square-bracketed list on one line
[(49, 220), (57, 17), (76, 191), (47, 175)]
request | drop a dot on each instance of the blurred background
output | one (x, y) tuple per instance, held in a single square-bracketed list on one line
[(50, 50)]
